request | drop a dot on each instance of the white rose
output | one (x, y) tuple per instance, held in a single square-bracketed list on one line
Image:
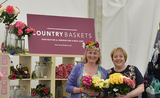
[(83, 45), (2, 9), (115, 90), (16, 11)]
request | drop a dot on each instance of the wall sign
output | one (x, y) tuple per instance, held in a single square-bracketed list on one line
[(4, 70), (59, 35)]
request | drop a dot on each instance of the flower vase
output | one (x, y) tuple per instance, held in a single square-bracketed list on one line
[(20, 42), (13, 37), (12, 91), (6, 38)]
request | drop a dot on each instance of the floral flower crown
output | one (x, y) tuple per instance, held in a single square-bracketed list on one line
[(90, 44)]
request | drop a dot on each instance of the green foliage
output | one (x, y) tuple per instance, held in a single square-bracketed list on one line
[(34, 75), (6, 18), (16, 49), (123, 89)]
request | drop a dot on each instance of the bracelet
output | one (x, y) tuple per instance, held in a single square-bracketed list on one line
[(80, 90)]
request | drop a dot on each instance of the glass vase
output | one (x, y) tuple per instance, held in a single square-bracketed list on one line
[(23, 94), (20, 42), (18, 92), (6, 36), (12, 91), (38, 70), (44, 70), (59, 90), (13, 37)]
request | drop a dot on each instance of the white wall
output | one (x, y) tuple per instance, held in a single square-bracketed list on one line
[(133, 25), (71, 8)]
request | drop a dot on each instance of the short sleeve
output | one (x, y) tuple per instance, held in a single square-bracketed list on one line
[(139, 77)]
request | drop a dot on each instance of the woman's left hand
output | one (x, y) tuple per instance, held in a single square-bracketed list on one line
[(92, 93)]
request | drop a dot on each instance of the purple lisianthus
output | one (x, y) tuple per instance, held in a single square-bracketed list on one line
[(46, 59), (12, 52), (97, 44), (4, 50)]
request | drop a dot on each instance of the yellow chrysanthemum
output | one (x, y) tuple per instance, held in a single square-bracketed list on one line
[(91, 44)]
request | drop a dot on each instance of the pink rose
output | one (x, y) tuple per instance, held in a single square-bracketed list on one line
[(19, 25), (0, 6), (33, 30), (1, 75), (27, 30), (87, 81), (10, 9), (20, 32)]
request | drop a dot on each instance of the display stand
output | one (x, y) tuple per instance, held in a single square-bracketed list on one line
[(50, 81)]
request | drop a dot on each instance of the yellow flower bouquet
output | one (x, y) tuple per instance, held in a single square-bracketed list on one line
[(93, 83), (119, 85)]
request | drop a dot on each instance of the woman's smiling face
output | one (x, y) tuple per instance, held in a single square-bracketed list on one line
[(92, 56), (118, 59)]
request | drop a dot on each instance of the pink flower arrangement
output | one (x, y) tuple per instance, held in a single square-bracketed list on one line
[(63, 71), (87, 81), (9, 14), (129, 82), (21, 29)]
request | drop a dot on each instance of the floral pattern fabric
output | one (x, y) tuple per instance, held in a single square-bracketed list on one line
[(98, 74)]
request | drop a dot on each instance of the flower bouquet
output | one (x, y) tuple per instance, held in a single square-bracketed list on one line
[(41, 91), (48, 62), (119, 85), (63, 71), (8, 14), (93, 83), (21, 29), (18, 73)]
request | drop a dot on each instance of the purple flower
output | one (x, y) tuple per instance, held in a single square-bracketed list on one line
[(5, 50), (12, 52), (46, 59)]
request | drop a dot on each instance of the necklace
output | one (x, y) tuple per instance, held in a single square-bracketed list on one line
[(92, 70)]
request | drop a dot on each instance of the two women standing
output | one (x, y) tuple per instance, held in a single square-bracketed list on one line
[(91, 66)]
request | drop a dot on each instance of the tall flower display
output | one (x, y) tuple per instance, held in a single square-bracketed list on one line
[(8, 14), (119, 84), (21, 29)]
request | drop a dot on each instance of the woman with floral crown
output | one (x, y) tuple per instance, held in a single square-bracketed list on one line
[(89, 67)]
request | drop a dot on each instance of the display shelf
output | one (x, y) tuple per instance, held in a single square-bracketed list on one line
[(26, 60)]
